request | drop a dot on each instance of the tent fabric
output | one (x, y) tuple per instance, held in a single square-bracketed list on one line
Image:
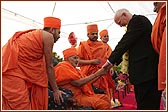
[(74, 15)]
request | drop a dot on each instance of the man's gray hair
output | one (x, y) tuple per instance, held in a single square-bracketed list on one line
[(120, 11)]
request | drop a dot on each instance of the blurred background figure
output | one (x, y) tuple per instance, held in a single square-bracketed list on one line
[(72, 39)]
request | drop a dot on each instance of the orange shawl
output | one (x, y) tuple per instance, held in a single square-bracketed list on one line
[(162, 64), (158, 28), (108, 50), (159, 44), (88, 50), (65, 73), (24, 51), (22, 57)]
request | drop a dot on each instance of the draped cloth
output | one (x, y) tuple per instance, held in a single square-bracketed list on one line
[(108, 50), (65, 73), (24, 77), (109, 80), (158, 38), (88, 50)]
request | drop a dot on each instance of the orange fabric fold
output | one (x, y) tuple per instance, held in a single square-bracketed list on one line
[(158, 28), (23, 61), (69, 52), (65, 73), (158, 38), (10, 50), (108, 50), (39, 98), (162, 64), (15, 94), (88, 50), (92, 28), (52, 22)]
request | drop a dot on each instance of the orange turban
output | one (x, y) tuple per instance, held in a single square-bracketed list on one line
[(72, 39), (52, 22), (69, 52), (103, 32), (92, 28)]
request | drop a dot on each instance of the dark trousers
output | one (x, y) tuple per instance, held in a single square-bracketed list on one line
[(147, 95)]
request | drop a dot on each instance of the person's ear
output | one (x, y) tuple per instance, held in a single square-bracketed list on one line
[(51, 30)]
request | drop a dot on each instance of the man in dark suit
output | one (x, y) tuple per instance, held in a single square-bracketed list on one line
[(143, 60)]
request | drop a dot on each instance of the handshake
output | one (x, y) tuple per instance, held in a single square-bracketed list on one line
[(107, 66), (104, 69), (104, 64)]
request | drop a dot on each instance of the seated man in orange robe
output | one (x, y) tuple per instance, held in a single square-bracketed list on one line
[(27, 67), (68, 76), (92, 55)]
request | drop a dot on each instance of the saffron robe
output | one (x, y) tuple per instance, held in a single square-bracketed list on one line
[(24, 77), (108, 50), (159, 44), (89, 50), (109, 79), (65, 73)]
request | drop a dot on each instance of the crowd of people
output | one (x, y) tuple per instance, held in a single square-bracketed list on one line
[(27, 65)]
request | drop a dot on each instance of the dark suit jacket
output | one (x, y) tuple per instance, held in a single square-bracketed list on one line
[(143, 60)]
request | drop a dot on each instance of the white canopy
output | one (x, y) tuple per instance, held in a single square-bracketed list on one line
[(75, 16)]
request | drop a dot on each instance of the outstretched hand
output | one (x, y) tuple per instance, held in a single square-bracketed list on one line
[(107, 66), (58, 99)]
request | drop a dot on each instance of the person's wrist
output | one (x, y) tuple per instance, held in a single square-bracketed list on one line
[(55, 90)]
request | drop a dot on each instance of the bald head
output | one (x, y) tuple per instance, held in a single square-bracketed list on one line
[(122, 17)]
